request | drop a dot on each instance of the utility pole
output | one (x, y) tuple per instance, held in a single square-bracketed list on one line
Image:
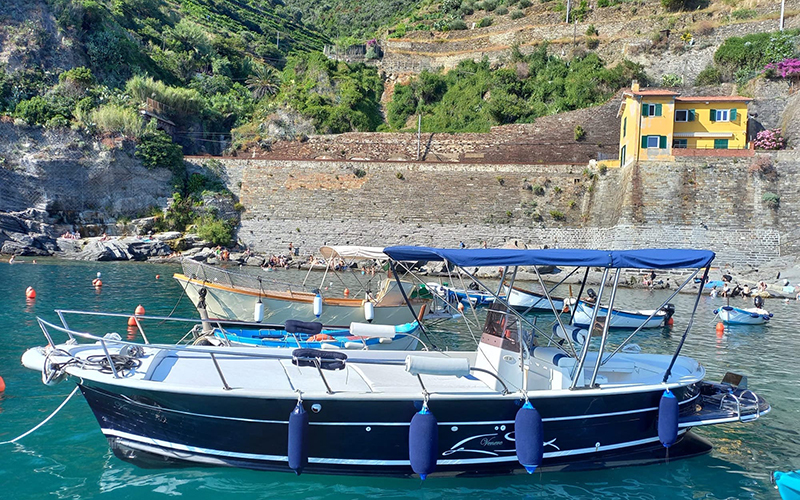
[(419, 133), (783, 5), (568, 6)]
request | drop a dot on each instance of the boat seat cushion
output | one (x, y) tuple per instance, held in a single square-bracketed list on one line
[(575, 334), (304, 327), (552, 355)]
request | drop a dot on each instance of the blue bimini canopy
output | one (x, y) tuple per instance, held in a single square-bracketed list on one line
[(626, 259)]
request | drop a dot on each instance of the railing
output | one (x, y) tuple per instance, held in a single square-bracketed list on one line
[(198, 270)]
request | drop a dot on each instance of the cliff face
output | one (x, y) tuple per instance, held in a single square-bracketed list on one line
[(73, 178)]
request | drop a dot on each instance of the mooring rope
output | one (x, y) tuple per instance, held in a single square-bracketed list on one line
[(45, 420)]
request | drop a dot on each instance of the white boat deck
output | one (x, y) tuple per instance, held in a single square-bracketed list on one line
[(372, 373)]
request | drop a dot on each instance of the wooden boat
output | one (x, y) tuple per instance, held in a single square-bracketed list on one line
[(454, 296), (621, 318), (235, 296), (510, 405), (528, 300)]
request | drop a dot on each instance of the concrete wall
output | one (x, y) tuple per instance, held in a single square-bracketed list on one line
[(702, 203)]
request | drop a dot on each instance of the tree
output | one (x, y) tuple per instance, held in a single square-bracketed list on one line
[(263, 82)]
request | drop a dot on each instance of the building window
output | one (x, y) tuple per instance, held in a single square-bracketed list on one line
[(682, 115), (652, 141), (680, 143), (720, 143), (624, 126), (721, 115), (651, 109)]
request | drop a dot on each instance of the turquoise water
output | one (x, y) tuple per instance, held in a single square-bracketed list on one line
[(69, 457)]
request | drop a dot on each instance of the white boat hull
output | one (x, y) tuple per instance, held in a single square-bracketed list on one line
[(619, 318), (521, 299), (223, 302)]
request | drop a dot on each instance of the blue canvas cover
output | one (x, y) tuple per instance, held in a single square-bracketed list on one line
[(667, 258)]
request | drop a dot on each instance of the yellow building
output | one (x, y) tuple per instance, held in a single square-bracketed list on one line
[(659, 124)]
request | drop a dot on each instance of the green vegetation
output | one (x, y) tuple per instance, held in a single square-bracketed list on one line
[(741, 58), (475, 95)]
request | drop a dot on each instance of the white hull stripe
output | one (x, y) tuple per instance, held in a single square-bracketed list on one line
[(150, 444), (406, 424)]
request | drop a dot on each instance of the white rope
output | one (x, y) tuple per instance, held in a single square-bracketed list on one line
[(45, 420)]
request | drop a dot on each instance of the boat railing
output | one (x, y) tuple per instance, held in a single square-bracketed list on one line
[(212, 274), (112, 339), (746, 408)]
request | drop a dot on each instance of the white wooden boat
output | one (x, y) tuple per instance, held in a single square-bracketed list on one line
[(235, 296), (620, 318), (528, 300)]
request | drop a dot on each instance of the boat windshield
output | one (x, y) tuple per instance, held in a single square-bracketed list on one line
[(504, 328)]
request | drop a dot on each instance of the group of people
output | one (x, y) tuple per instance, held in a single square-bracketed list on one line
[(736, 291), (71, 236), (276, 262)]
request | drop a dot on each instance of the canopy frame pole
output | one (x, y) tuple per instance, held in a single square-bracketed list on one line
[(573, 310), (677, 290), (503, 279), (579, 368), (689, 326), (557, 313), (606, 326)]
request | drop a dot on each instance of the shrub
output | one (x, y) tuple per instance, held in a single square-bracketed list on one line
[(399, 175), (671, 80), (592, 43), (486, 21), (35, 111), (788, 68), (517, 14), (215, 230), (524, 4), (608, 3), (704, 28), (763, 167), (457, 25), (770, 139), (115, 119), (557, 215), (771, 200), (755, 51), (591, 30), (744, 14), (156, 150), (709, 76), (359, 172), (537, 190), (603, 169), (501, 11), (579, 133)]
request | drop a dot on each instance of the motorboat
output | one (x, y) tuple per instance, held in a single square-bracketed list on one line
[(522, 400), (466, 296), (621, 318), (738, 316), (246, 297), (313, 335)]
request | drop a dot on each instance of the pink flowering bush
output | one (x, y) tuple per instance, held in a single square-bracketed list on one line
[(788, 68), (770, 139)]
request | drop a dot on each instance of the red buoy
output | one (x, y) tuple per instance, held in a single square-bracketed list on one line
[(2, 385), (139, 311), (30, 293), (670, 321), (346, 292)]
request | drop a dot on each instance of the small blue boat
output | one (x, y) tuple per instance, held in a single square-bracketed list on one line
[(788, 484), (737, 316), (313, 335)]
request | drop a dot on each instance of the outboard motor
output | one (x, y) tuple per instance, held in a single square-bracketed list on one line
[(591, 294), (758, 301), (670, 310)]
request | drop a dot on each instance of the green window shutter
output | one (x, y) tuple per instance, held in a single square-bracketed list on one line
[(624, 126), (662, 141), (644, 142), (644, 109), (691, 115), (733, 114), (713, 115), (658, 109)]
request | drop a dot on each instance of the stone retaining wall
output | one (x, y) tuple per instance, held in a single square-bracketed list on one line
[(715, 204)]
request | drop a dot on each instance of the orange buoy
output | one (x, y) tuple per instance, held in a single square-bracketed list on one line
[(97, 283), (720, 329), (139, 311), (346, 292), (2, 385), (460, 307), (566, 309), (670, 321), (30, 293)]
